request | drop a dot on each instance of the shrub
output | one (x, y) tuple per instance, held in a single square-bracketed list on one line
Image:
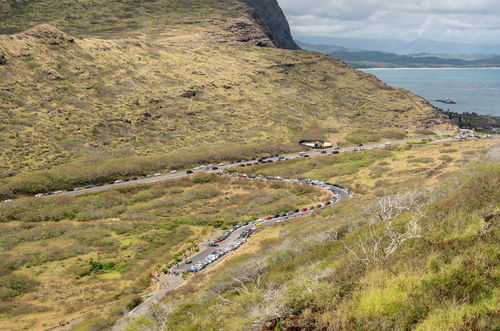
[(393, 134), (421, 160), (132, 301), (425, 132), (416, 142), (202, 177), (362, 136), (19, 283), (7, 294), (448, 150)]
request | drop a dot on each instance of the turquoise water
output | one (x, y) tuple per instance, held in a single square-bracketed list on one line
[(474, 90)]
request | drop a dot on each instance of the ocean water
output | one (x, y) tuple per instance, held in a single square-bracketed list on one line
[(473, 90)]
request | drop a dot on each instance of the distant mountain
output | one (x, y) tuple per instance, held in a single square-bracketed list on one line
[(373, 59), (404, 47), (321, 48)]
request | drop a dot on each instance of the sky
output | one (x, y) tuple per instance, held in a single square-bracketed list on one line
[(471, 21)]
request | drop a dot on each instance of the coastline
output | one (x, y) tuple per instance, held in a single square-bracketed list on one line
[(425, 68)]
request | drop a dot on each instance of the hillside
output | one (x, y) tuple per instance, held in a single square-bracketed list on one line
[(203, 86), (416, 257)]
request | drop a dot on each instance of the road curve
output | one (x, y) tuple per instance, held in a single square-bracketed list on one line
[(175, 282)]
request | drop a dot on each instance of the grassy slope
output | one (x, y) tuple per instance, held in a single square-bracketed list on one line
[(448, 280), (137, 228), (105, 98)]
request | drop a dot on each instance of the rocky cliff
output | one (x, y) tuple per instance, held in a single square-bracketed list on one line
[(272, 14)]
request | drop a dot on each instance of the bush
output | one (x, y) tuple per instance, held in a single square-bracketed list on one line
[(362, 136), (202, 178), (448, 150), (421, 160), (416, 142), (19, 283), (425, 132), (132, 301)]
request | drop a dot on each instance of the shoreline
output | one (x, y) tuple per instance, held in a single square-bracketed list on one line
[(425, 68)]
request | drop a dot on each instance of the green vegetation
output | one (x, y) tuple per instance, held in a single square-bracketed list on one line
[(479, 123), (444, 278), (416, 142), (102, 248)]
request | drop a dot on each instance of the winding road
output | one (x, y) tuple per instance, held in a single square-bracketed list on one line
[(175, 282)]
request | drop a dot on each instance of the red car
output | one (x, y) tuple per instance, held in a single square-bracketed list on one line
[(304, 209), (269, 218)]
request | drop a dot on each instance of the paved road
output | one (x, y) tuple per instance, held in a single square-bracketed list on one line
[(175, 282), (182, 174)]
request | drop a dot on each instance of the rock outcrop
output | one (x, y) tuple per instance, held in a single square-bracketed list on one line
[(271, 13)]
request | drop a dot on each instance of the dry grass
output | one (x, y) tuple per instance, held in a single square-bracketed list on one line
[(96, 100), (43, 249)]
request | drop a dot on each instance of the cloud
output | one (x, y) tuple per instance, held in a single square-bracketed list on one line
[(441, 20)]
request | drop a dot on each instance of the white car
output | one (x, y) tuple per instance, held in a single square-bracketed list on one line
[(222, 164), (39, 195), (196, 168), (173, 171), (57, 192), (118, 181), (387, 143), (158, 174), (8, 200)]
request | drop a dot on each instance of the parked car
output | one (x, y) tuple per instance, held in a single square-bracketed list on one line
[(188, 262), (88, 186), (158, 174), (99, 184), (149, 176), (173, 171)]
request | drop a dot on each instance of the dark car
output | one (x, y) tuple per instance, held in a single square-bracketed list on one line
[(323, 152), (99, 184), (247, 160), (242, 165), (276, 216), (238, 161), (111, 182), (335, 152), (48, 193), (70, 189), (189, 171), (359, 145), (232, 162), (253, 159), (215, 168), (305, 155), (135, 178), (126, 180), (245, 223), (88, 186), (296, 211)]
